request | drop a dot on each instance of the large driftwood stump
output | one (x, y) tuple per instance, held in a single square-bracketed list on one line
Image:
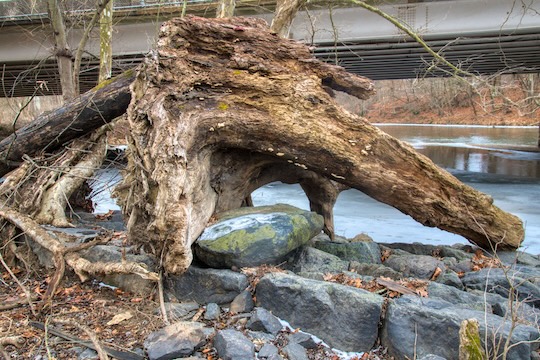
[(225, 106)]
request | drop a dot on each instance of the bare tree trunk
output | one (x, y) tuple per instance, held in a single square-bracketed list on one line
[(285, 13), (105, 43), (62, 51), (225, 8), (207, 126)]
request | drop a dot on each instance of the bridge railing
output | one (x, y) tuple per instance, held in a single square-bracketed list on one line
[(27, 9)]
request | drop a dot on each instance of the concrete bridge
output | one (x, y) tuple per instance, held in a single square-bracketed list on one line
[(481, 36)]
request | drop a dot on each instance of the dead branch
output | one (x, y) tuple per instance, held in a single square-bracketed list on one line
[(82, 267), (121, 355)]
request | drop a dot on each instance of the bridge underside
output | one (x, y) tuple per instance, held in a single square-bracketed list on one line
[(485, 55)]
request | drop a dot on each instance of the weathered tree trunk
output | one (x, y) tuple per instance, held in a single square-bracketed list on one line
[(82, 115), (216, 114)]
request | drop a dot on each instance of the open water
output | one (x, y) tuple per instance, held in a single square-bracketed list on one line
[(476, 155)]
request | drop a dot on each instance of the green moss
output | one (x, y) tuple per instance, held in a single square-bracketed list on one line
[(300, 231), (125, 74), (470, 346), (222, 106), (240, 240)]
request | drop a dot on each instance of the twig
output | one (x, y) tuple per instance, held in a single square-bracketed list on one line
[(16, 341), (121, 355), (23, 288), (15, 304), (93, 338)]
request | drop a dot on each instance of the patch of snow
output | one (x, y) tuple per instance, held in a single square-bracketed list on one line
[(343, 355), (225, 227)]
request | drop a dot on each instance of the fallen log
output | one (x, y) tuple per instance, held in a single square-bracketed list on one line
[(79, 117), (225, 106)]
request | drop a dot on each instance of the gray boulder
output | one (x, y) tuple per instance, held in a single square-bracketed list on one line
[(268, 350), (522, 312), (344, 317), (303, 339), (176, 340), (360, 251), (212, 312), (233, 345), (431, 357), (417, 266), (501, 281), (375, 270), (179, 311), (114, 254), (295, 352), (420, 326), (442, 251), (263, 320), (253, 236), (207, 285), (458, 297), (243, 302), (511, 258), (450, 278), (311, 260)]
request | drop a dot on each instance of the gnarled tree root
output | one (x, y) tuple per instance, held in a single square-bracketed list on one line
[(63, 254)]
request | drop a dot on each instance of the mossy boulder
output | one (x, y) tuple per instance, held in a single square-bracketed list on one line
[(254, 236)]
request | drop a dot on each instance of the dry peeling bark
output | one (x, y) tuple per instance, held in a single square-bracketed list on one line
[(224, 106)]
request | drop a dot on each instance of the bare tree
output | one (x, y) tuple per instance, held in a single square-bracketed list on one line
[(69, 60), (225, 8)]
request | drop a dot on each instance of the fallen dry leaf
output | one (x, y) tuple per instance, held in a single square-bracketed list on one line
[(118, 318), (436, 274)]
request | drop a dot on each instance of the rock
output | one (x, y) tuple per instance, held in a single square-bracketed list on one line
[(262, 320), (207, 285), (432, 357), (176, 340), (450, 278), (267, 350), (462, 266), (302, 338), (115, 254), (212, 311), (344, 317), (102, 253), (422, 326), (521, 311), (88, 354), (375, 270), (233, 345), (511, 258), (114, 221), (432, 250), (243, 302), (295, 352), (252, 236), (259, 336), (361, 251), (417, 266), (500, 281), (180, 311), (312, 260), (458, 297)]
